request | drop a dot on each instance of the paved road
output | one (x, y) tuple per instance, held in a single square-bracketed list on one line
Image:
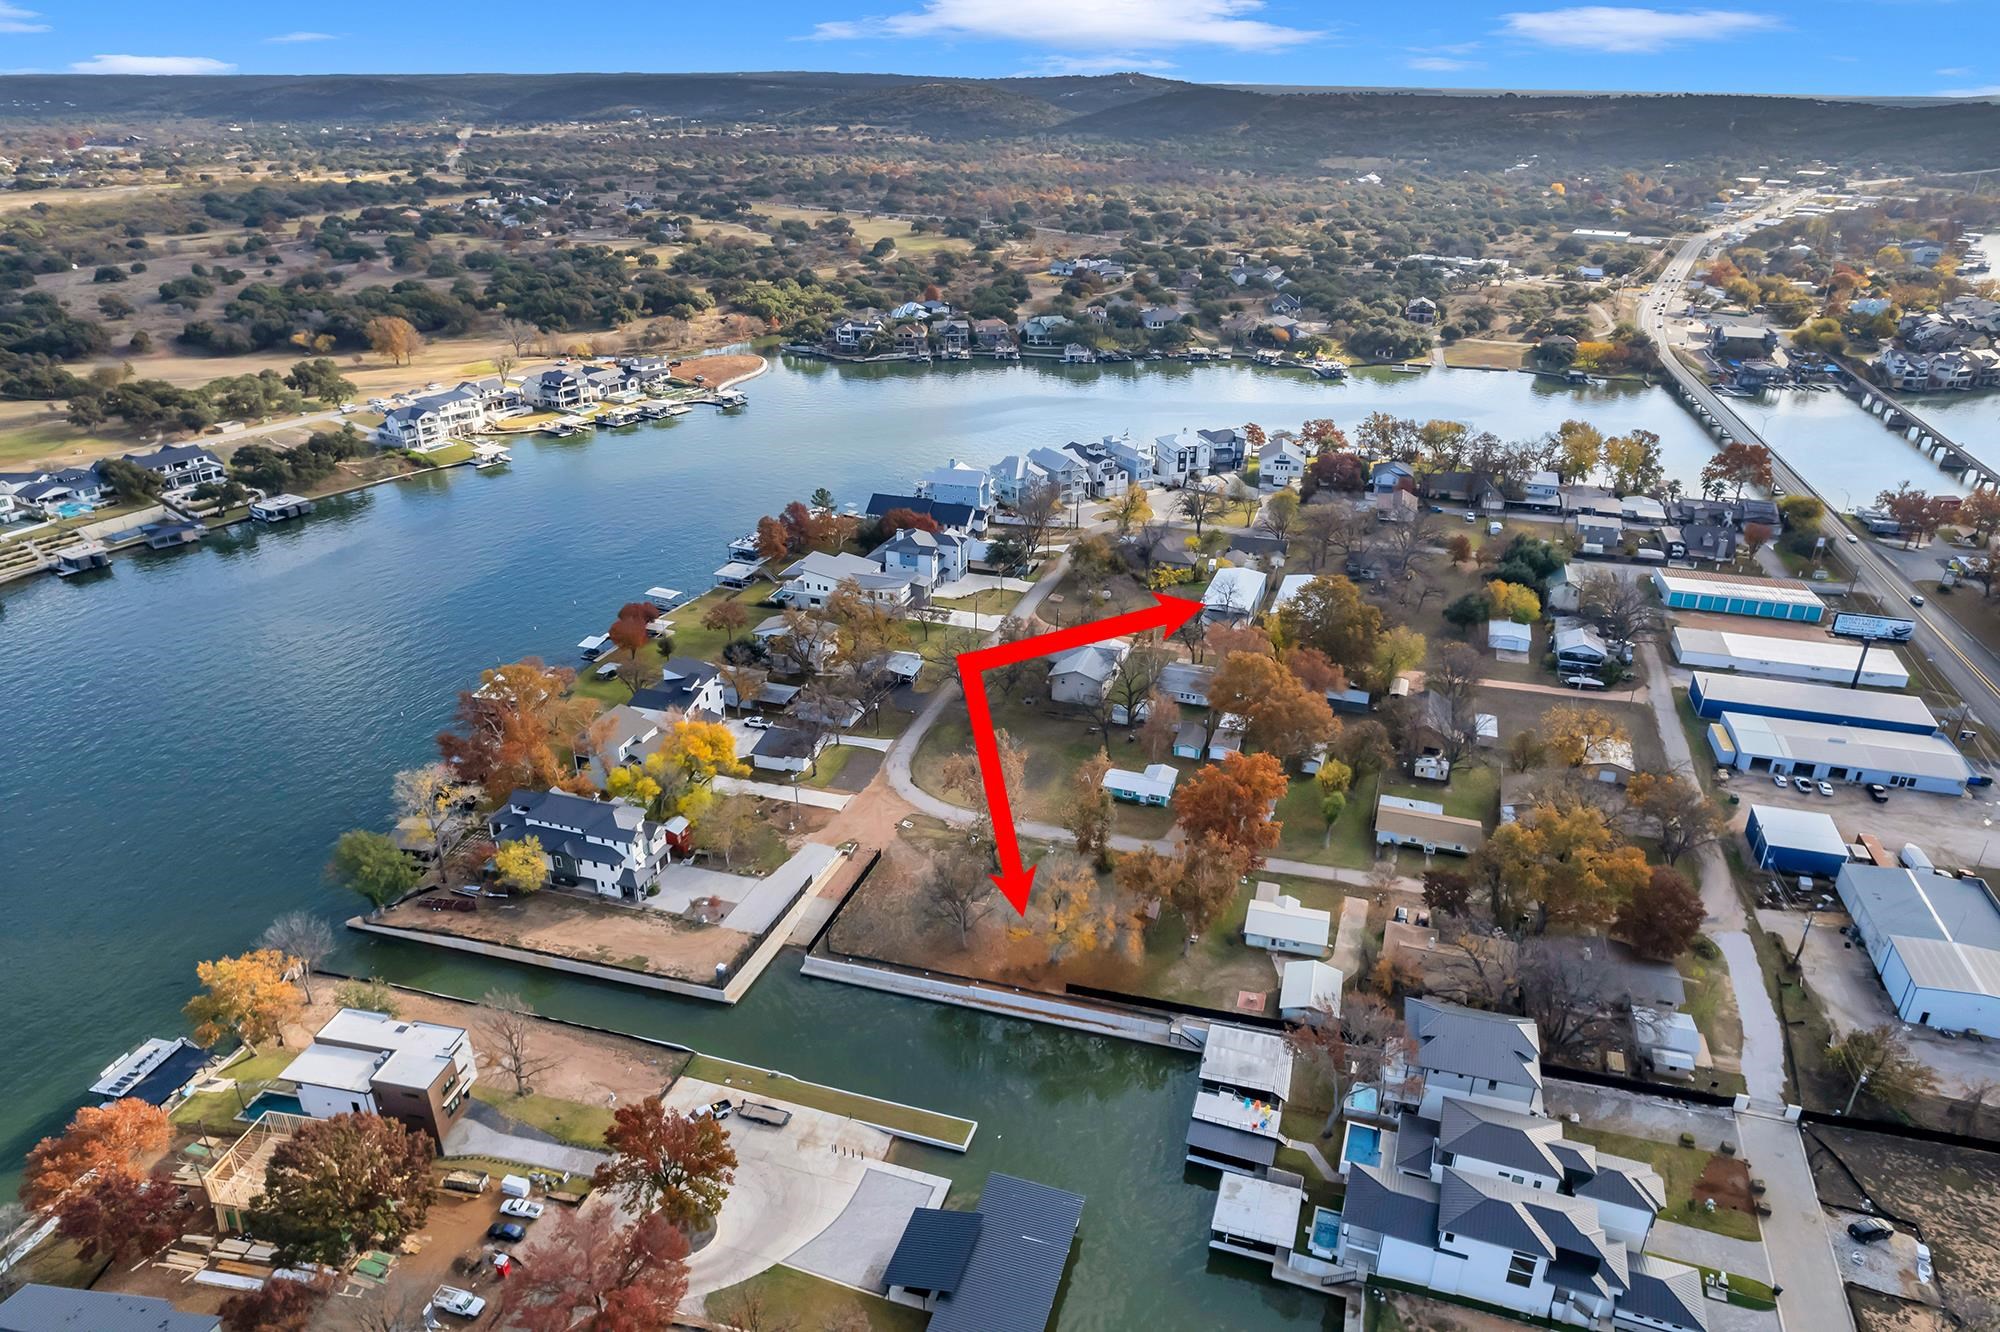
[(799, 795), (1803, 1265), (1965, 663)]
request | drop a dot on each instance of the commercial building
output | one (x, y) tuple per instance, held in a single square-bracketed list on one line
[(1823, 660), (1795, 841), (995, 1269), (1837, 753), (1934, 940), (1712, 695), (1732, 594), (370, 1063)]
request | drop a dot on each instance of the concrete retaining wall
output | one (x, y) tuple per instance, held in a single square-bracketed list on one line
[(1077, 1015), (549, 961)]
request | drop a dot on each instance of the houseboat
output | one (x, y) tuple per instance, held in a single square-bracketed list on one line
[(81, 558), (172, 535), (279, 508)]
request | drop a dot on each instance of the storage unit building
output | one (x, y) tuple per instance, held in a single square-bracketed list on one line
[(1713, 694), (1824, 660), (1934, 940), (1837, 753), (1795, 841), (1730, 594)]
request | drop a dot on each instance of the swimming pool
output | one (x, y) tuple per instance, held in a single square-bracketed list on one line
[(1364, 1100), (269, 1102), (1362, 1146), (72, 510), (1325, 1241)]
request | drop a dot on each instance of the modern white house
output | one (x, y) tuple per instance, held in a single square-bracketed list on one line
[(1279, 464), (1014, 477), (959, 483), (1233, 596), (1154, 786), (928, 558), (1469, 1053), (363, 1062), (436, 419), (1279, 923), (607, 846), (180, 467), (564, 388), (1180, 458)]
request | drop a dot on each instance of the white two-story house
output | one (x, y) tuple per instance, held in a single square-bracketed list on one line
[(1069, 473), (434, 420), (1180, 458), (928, 558), (959, 483), (814, 578), (180, 467), (607, 846)]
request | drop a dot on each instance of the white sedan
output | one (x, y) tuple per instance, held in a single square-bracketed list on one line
[(525, 1208)]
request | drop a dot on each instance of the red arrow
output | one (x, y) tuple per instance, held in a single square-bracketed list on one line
[(1015, 879)]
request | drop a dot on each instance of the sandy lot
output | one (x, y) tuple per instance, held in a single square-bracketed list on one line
[(1950, 1192)]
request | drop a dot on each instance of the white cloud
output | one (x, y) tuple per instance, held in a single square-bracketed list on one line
[(1990, 90), (1616, 31), (1090, 25), (1440, 64), (288, 37), (15, 19), (1955, 72), (133, 64), (1104, 64)]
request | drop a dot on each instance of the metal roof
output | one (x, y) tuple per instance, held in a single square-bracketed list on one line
[(1238, 1144), (935, 1248), (1258, 1209), (1796, 741), (1474, 1044), (1945, 930), (1863, 706), (1689, 582), (1389, 1202), (59, 1309), (1247, 1060), (1750, 651), (1799, 829), (1664, 1292), (1010, 1283)]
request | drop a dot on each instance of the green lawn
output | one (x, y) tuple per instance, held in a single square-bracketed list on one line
[(1220, 964), (886, 1115), (986, 601), (1679, 1167), (251, 1074), (831, 762), (1744, 1292), (1304, 834), (571, 1121), (50, 440), (791, 1298), (449, 455)]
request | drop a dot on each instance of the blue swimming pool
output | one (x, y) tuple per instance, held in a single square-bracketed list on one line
[(272, 1103), (1364, 1100), (72, 510), (1325, 1241), (1363, 1145)]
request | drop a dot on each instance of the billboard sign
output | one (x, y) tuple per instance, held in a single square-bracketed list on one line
[(1877, 628)]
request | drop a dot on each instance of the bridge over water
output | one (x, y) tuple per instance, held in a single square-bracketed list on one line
[(1899, 416)]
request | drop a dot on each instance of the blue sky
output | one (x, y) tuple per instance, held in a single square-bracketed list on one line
[(1903, 47)]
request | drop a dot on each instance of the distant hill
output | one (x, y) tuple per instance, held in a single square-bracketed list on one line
[(1279, 125)]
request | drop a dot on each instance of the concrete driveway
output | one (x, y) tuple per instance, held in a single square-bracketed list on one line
[(792, 1185), (1888, 1266)]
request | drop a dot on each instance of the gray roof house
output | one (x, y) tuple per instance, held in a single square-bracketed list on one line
[(608, 846), (999, 1270), (1489, 1057), (687, 685), (60, 1309), (180, 466), (1083, 676)]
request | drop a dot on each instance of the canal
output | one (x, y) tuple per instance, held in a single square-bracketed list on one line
[(191, 732)]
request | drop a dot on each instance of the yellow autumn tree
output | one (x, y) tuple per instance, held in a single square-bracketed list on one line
[(246, 996), (1068, 916), (1573, 732), (1511, 601), (676, 777), (522, 864)]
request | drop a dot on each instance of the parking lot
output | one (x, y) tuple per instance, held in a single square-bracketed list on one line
[(1955, 831)]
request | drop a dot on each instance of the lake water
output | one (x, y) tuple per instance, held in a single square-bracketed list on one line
[(191, 732)]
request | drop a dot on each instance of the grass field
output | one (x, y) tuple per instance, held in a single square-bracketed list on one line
[(1485, 354), (887, 1115), (252, 1075), (788, 1297), (867, 230), (571, 1121)]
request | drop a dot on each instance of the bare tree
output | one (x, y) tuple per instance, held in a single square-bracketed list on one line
[(1136, 676), (1355, 1045), (1038, 508), (304, 937), (1200, 505), (958, 893), (1335, 531), (1564, 991), (1622, 608), (510, 1032), (433, 801)]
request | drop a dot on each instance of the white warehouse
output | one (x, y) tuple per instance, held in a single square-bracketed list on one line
[(1822, 659), (1934, 940)]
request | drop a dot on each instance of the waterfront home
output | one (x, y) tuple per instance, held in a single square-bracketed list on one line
[(1422, 310), (993, 337), (912, 340), (1104, 473), (619, 735), (363, 1062), (1309, 991), (1069, 474), (1541, 490), (1279, 923), (644, 374), (1045, 330), (807, 648), (1244, 1081), (1284, 303), (607, 846), (856, 336), (1227, 448), (1472, 1054), (951, 515), (434, 420), (564, 388), (1424, 825), (59, 492), (1075, 353), (1154, 786), (958, 483), (689, 686), (280, 507), (1735, 339), (1472, 489), (1279, 464), (813, 579), (997, 1268), (1157, 317), (929, 558), (1180, 458), (1082, 677), (37, 1308), (953, 336), (1233, 596), (180, 467), (787, 749), (1015, 477)]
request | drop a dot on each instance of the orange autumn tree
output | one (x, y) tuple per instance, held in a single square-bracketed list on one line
[(247, 997), (513, 730), (1231, 801), (100, 1138)]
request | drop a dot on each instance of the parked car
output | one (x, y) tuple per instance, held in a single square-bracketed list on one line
[(1870, 1231), (1803, 783), (1779, 780), (1826, 788), (758, 723), (525, 1208), (1878, 793), (1924, 1272), (455, 1301), (506, 1232)]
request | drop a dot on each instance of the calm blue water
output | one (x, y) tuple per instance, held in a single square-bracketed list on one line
[(191, 732)]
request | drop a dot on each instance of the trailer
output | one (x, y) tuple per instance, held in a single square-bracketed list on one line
[(763, 1114)]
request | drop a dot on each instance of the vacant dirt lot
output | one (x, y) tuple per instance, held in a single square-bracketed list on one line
[(568, 926), (1950, 1195)]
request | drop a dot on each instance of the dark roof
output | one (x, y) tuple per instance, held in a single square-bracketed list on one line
[(1236, 1144), (1415, 1137), (947, 514), (170, 1075), (1017, 1265), (934, 1250), (169, 455), (1390, 1203), (612, 820), (59, 1309), (1473, 1043), (783, 742), (1664, 1292)]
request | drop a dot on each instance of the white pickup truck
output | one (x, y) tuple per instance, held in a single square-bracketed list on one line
[(461, 1302)]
